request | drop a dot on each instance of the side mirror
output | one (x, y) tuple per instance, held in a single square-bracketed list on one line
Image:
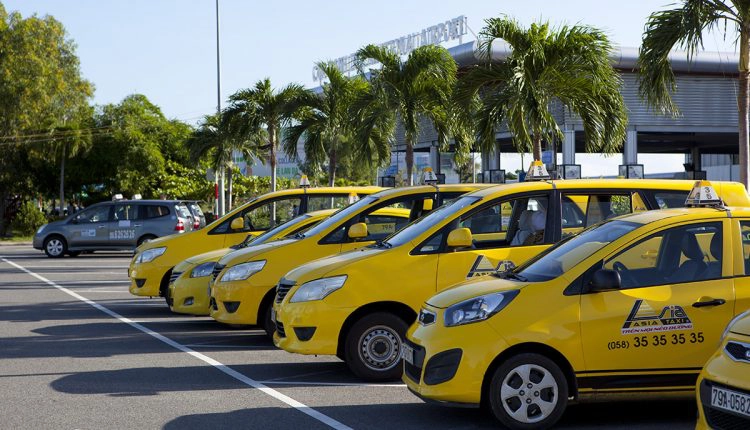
[(605, 280), (427, 205), (358, 231), (460, 238), (237, 224), (75, 220)]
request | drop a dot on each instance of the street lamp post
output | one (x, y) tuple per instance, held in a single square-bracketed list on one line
[(220, 175)]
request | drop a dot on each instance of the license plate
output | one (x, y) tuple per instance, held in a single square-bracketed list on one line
[(407, 353), (273, 315), (730, 401)]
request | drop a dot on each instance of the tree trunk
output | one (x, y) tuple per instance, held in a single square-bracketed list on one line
[(332, 168), (272, 161), (744, 115), (62, 180), (537, 148), (409, 158)]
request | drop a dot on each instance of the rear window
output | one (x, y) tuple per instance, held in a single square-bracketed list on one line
[(152, 211), (183, 211), (196, 210)]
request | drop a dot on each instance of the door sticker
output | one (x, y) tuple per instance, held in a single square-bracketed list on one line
[(643, 319), (125, 223), (88, 233), (122, 234), (482, 266)]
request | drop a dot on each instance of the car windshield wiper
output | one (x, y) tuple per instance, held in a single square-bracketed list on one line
[(382, 244), (299, 236), (511, 275)]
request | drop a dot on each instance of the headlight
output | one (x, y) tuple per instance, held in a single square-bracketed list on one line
[(242, 271), (477, 309), (202, 270), (41, 229), (731, 323), (150, 254), (317, 289)]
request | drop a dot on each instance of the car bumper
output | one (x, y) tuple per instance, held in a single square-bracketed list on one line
[(721, 371), (190, 295), (145, 279), (236, 302), (449, 364), (317, 321), (38, 242)]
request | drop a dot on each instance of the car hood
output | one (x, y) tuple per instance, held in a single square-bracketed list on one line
[(170, 240), (337, 262), (251, 252), (742, 326), (473, 288), (55, 224), (214, 255)]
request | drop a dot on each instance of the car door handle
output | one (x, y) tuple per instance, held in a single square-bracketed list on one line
[(708, 301), (137, 225), (101, 226)]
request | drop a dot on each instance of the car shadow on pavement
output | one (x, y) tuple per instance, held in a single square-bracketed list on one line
[(266, 418)]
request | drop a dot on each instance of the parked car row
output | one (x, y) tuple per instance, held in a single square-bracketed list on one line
[(519, 297)]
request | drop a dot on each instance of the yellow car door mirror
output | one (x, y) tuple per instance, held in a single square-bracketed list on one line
[(460, 238), (237, 224), (358, 231)]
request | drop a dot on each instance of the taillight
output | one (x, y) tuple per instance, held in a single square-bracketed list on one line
[(180, 226), (196, 225)]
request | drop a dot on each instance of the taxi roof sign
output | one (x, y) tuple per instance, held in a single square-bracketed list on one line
[(703, 194), (537, 172), (304, 182), (429, 177)]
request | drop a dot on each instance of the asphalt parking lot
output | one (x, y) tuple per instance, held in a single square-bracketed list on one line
[(78, 351)]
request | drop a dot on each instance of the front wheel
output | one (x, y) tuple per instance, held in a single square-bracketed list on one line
[(55, 247), (373, 347), (265, 320), (528, 391)]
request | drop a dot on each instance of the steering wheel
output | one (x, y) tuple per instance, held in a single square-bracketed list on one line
[(628, 280)]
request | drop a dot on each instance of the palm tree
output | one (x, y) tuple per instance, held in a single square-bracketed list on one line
[(261, 107), (216, 141), (421, 86), (569, 65), (327, 125), (683, 26)]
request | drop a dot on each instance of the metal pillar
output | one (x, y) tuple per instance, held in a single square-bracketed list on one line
[(435, 157), (569, 147), (630, 149)]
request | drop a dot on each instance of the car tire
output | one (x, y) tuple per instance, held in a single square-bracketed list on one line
[(528, 391), (265, 321), (74, 253), (55, 246), (144, 238), (373, 347)]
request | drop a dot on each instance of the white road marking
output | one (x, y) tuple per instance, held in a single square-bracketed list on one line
[(72, 266), (325, 419), (331, 384)]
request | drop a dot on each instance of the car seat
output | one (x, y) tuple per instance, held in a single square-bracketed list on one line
[(713, 271), (694, 265), (525, 228)]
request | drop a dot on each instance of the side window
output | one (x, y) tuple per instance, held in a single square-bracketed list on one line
[(97, 214), (259, 218), (745, 231), (320, 202), (381, 226), (680, 254), (125, 212), (583, 210), (515, 222), (153, 211), (670, 199)]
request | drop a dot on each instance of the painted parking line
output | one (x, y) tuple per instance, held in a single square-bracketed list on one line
[(331, 384), (325, 419)]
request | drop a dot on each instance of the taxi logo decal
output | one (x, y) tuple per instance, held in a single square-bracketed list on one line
[(482, 266), (643, 319)]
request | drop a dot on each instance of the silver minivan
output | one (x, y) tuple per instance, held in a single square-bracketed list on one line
[(116, 225)]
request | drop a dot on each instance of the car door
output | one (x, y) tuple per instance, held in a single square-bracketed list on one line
[(505, 233), (663, 324), (90, 227), (123, 225), (741, 253)]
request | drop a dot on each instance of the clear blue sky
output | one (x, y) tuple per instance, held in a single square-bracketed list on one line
[(166, 49)]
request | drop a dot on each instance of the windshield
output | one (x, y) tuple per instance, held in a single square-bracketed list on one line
[(269, 234), (568, 253), (339, 216), (415, 229)]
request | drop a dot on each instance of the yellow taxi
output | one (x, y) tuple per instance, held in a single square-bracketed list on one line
[(243, 291), (632, 306), (723, 388), (189, 282), (379, 289), (153, 261)]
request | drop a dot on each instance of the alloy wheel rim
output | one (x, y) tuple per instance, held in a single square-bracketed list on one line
[(529, 393), (380, 348), (54, 247)]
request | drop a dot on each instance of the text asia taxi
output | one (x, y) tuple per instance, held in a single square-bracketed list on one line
[(189, 282), (372, 295), (245, 283), (723, 388), (153, 261), (632, 306)]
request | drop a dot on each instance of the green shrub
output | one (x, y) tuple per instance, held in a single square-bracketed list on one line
[(28, 219)]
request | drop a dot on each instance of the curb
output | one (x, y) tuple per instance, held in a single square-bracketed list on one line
[(10, 243)]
